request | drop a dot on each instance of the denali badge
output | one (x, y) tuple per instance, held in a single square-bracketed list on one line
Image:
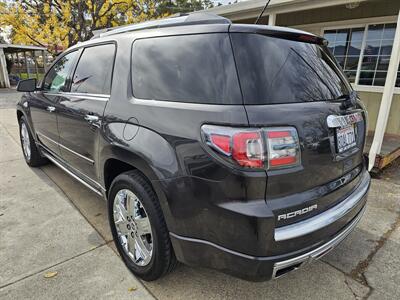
[(297, 212)]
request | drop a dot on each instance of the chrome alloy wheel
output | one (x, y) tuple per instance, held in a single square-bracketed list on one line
[(133, 227), (26, 143)]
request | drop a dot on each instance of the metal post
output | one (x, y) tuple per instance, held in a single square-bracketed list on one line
[(387, 97), (33, 53), (4, 79), (26, 64), (19, 65), (271, 19), (44, 61)]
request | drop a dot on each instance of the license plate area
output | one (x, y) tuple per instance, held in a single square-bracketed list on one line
[(345, 138)]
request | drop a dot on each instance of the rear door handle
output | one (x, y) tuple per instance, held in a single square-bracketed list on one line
[(91, 118), (50, 108)]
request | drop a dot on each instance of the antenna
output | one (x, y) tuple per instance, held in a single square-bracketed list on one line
[(265, 7)]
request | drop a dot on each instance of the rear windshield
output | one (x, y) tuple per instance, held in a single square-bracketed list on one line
[(274, 70), (187, 68)]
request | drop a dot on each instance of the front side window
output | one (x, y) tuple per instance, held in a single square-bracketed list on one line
[(364, 52), (56, 78), (94, 71), (189, 68)]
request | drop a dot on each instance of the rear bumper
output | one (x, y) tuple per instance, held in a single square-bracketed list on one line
[(325, 218), (332, 227), (283, 267)]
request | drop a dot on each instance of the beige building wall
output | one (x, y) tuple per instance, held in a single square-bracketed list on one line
[(373, 9), (373, 101)]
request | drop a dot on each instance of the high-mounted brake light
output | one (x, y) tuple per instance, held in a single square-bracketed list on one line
[(271, 148)]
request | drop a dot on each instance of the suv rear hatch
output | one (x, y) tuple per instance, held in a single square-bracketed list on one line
[(289, 79)]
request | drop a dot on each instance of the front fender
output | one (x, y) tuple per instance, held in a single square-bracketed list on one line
[(23, 109)]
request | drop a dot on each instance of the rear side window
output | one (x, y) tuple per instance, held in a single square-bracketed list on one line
[(94, 70), (188, 68), (274, 70)]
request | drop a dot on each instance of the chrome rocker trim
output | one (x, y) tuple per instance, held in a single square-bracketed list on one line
[(53, 160), (325, 218), (297, 262)]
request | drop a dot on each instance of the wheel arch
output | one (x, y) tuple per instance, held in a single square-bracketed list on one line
[(21, 112), (117, 160)]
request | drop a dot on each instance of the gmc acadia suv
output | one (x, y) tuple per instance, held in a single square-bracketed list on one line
[(234, 147)]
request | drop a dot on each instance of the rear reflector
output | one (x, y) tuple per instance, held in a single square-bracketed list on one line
[(282, 161), (271, 148)]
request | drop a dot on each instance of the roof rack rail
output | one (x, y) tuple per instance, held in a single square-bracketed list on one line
[(175, 20)]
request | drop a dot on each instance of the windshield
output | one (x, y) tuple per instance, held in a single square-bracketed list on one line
[(274, 70)]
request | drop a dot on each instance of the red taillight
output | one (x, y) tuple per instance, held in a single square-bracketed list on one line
[(278, 134), (222, 142), (246, 146)]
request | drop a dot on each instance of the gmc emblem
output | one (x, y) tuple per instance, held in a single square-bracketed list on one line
[(297, 212)]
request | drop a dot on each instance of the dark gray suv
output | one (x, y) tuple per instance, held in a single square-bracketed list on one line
[(235, 147)]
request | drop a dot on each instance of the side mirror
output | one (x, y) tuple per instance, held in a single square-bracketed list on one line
[(27, 85)]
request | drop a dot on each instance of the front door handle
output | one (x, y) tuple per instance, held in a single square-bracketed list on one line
[(91, 118), (50, 108)]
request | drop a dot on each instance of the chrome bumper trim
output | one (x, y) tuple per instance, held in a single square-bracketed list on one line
[(316, 253), (325, 218)]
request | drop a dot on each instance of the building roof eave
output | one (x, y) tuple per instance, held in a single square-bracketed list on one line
[(22, 47), (253, 8)]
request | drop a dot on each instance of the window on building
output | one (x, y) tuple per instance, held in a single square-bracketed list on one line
[(364, 52), (345, 44)]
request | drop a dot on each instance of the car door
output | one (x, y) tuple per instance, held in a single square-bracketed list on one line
[(81, 108), (43, 103)]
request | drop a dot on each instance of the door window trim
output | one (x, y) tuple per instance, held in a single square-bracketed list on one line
[(98, 97)]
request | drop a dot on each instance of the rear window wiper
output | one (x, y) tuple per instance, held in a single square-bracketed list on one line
[(345, 97), (342, 97)]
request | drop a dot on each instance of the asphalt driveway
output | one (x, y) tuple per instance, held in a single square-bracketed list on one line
[(51, 223)]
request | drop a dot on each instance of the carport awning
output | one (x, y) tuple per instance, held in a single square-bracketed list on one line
[(10, 48)]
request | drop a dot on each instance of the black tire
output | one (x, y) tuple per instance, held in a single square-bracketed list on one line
[(34, 159), (163, 259)]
